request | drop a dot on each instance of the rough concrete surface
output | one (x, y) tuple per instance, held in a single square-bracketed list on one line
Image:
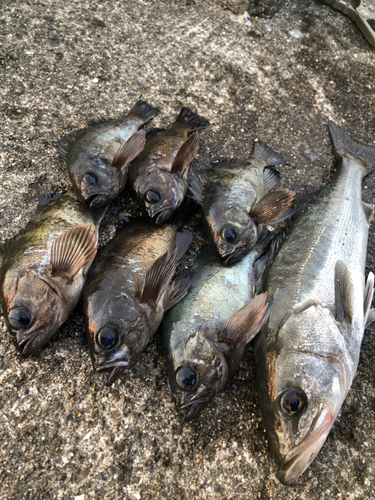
[(277, 71)]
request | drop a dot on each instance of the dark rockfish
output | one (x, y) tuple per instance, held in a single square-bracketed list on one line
[(307, 354), (205, 335), (97, 157), (236, 201), (158, 177), (128, 290), (44, 269)]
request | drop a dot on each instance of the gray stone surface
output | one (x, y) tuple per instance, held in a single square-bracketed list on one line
[(278, 74)]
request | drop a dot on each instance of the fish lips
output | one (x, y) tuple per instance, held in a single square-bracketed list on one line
[(301, 456), (195, 404), (160, 214), (31, 341), (118, 362), (235, 254)]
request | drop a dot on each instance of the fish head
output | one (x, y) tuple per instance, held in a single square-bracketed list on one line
[(234, 232), (96, 181), (199, 370), (306, 385), (117, 332), (34, 310), (161, 193)]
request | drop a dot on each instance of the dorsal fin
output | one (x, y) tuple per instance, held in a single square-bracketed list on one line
[(183, 240), (271, 177), (186, 154), (64, 145), (206, 254), (72, 250), (197, 182)]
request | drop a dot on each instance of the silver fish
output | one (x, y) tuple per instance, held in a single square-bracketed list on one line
[(307, 354), (205, 335)]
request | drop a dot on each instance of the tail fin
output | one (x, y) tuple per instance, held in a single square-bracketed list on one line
[(143, 111), (344, 145), (194, 121)]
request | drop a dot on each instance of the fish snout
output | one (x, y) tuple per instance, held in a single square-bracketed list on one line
[(160, 214), (301, 456), (31, 340)]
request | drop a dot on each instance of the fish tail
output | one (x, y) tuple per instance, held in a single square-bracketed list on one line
[(194, 121), (344, 145), (143, 111)]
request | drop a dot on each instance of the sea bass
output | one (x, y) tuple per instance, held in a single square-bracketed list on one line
[(128, 290), (44, 269), (237, 202), (205, 335), (307, 354), (98, 156), (158, 177)]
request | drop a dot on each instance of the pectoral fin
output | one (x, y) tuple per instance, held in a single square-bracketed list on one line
[(157, 278), (129, 150), (343, 293), (3, 251), (197, 182), (183, 240), (186, 154), (246, 322), (273, 208), (72, 250), (177, 290)]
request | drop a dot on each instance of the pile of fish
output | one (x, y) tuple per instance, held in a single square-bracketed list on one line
[(299, 289)]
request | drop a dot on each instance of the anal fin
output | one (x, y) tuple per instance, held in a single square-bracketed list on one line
[(369, 211), (129, 150), (344, 293), (186, 154), (157, 278), (72, 250)]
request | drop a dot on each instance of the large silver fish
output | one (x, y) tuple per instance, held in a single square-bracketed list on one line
[(237, 202), (205, 335), (44, 268), (97, 157), (308, 352)]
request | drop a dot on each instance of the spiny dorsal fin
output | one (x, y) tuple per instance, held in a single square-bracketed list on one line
[(265, 154), (369, 211), (343, 292), (64, 145), (157, 278), (271, 177), (72, 250), (197, 181), (183, 240), (177, 290), (129, 150), (143, 111), (343, 143), (186, 154), (273, 208), (244, 324), (369, 293)]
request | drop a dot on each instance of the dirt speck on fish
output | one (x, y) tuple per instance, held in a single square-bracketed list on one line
[(97, 157)]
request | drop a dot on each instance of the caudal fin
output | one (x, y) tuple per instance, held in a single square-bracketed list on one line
[(143, 111), (194, 121), (344, 145)]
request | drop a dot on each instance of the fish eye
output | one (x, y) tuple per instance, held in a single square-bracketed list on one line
[(19, 317), (228, 234), (107, 338), (293, 402), (186, 378), (90, 178), (152, 196)]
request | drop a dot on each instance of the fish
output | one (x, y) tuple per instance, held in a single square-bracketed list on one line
[(237, 201), (129, 289), (205, 335), (98, 156), (307, 353), (158, 177), (44, 268)]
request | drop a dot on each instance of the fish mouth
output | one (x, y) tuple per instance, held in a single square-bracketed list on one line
[(196, 404), (235, 254), (118, 369), (161, 214), (96, 200), (300, 457), (31, 342)]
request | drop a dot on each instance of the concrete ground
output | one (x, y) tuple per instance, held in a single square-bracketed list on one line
[(277, 71)]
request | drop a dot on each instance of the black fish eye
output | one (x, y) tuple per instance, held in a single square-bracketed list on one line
[(186, 378), (90, 178), (19, 317), (293, 402), (152, 196), (107, 338), (228, 234)]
